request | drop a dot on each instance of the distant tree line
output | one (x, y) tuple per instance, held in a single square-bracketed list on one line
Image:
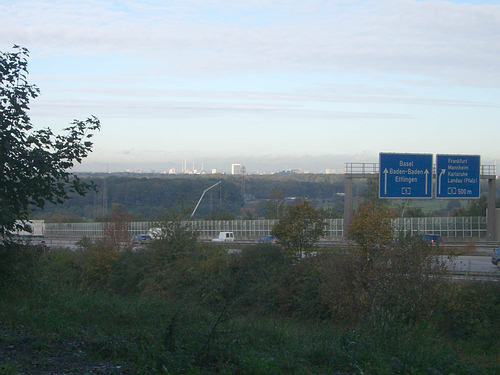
[(145, 197)]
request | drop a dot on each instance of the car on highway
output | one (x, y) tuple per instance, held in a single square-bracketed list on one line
[(269, 239), (431, 239), (142, 238), (495, 258), (155, 233)]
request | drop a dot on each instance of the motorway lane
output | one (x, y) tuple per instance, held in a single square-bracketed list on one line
[(459, 264), (474, 264)]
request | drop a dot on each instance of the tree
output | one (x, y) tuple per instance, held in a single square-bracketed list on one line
[(175, 235), (116, 231), (371, 227), (300, 228), (275, 204), (476, 207), (34, 164)]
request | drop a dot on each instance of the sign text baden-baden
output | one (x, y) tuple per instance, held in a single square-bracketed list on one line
[(405, 175)]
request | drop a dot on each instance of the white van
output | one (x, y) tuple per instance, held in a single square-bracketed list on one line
[(224, 237)]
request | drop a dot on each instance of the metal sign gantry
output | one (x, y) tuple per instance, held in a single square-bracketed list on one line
[(372, 170)]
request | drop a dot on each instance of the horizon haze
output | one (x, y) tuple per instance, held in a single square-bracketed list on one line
[(271, 85)]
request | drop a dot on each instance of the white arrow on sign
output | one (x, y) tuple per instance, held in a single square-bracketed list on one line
[(385, 181), (426, 177), (439, 180)]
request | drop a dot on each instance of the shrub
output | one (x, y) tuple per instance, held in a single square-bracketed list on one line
[(127, 272), (97, 260), (18, 264), (401, 282), (61, 268)]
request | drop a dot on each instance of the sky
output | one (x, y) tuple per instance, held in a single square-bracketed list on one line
[(274, 84)]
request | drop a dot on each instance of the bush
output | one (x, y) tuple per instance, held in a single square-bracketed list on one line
[(469, 310), (61, 268), (96, 261), (400, 282), (18, 264), (128, 272)]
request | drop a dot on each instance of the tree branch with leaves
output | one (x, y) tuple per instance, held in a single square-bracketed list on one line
[(34, 164)]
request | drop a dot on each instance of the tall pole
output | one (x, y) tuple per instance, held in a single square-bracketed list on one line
[(491, 211), (347, 203)]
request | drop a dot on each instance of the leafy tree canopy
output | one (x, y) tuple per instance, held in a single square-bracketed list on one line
[(34, 164), (371, 226), (300, 228)]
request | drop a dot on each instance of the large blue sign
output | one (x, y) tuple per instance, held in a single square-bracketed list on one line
[(457, 176), (405, 175)]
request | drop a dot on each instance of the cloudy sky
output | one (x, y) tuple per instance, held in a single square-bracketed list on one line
[(302, 84)]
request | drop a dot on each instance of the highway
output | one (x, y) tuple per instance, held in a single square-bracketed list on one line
[(468, 263), (462, 267), (470, 267)]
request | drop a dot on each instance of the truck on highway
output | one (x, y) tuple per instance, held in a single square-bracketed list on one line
[(36, 229)]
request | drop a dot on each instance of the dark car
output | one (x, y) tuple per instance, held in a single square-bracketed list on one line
[(431, 238), (142, 238), (495, 258), (269, 239)]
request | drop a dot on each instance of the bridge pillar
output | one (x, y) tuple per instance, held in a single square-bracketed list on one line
[(491, 211), (347, 203)]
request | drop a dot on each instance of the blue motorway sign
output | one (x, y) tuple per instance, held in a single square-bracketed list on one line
[(457, 176), (405, 175)]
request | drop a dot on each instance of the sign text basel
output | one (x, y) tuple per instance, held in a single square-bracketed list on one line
[(410, 176)]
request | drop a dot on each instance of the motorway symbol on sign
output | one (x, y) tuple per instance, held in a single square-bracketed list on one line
[(457, 176), (405, 175)]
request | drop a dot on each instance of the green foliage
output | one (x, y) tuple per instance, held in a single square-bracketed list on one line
[(465, 312), (128, 272), (116, 234), (18, 264), (149, 336), (62, 268), (399, 283), (220, 215), (275, 205), (58, 216), (96, 262), (146, 197), (371, 227), (300, 229), (34, 165), (254, 312), (476, 207), (370, 193), (175, 235)]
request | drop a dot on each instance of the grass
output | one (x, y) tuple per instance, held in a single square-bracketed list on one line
[(154, 336), (55, 325)]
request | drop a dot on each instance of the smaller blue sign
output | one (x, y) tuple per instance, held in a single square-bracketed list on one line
[(457, 176), (405, 175)]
